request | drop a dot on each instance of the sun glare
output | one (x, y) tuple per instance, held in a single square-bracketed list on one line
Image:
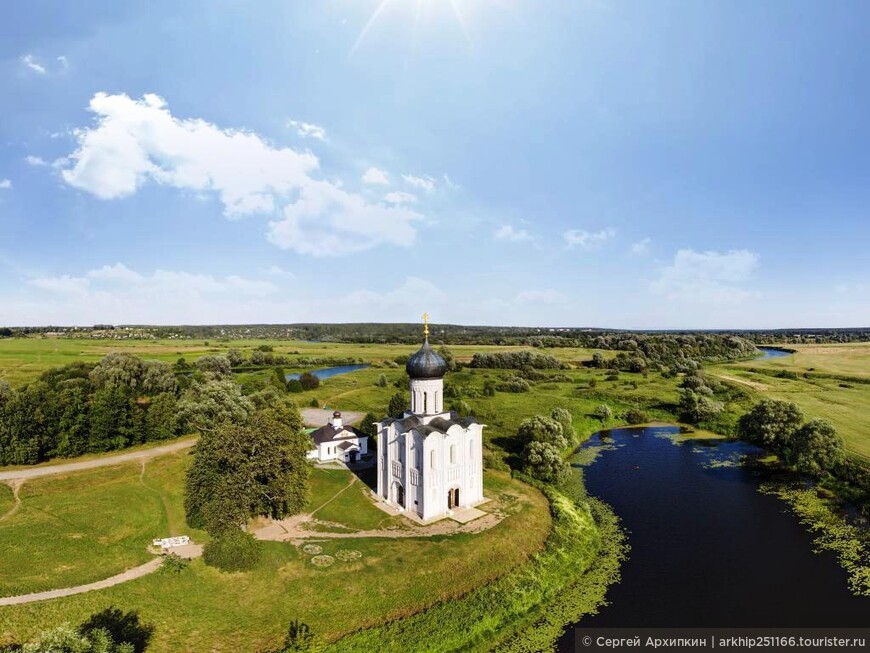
[(421, 7)]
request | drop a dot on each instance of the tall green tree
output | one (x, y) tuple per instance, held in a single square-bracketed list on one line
[(161, 420), (543, 461), (211, 402), (398, 405), (241, 470), (542, 429), (109, 418), (771, 423), (815, 448)]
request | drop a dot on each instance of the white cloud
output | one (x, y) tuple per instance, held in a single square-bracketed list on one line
[(116, 272), (400, 197), (507, 232), (29, 61), (35, 160), (548, 296), (641, 246), (709, 277), (328, 221), (376, 176), (587, 240), (121, 282), (63, 61), (64, 285), (278, 271), (136, 141), (414, 294), (423, 183), (5, 184), (308, 129)]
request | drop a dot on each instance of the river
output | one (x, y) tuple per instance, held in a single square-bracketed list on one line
[(329, 372), (767, 352), (707, 548)]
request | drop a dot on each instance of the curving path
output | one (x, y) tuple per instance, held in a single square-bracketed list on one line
[(123, 577), (25, 473)]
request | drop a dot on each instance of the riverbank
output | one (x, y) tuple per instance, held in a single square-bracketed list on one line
[(527, 609)]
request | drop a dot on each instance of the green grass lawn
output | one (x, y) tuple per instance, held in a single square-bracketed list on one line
[(353, 507), (7, 499), (203, 609), (76, 529), (849, 359)]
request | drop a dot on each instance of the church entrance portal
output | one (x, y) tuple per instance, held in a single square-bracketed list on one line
[(452, 498), (399, 494)]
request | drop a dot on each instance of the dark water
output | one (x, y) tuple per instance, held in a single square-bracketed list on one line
[(328, 372), (707, 549), (772, 353)]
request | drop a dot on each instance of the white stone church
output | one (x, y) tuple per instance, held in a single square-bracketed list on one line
[(430, 462)]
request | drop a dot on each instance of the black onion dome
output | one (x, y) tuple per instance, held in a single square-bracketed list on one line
[(426, 364)]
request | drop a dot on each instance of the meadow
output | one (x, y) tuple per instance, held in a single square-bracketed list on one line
[(211, 610), (24, 359), (830, 381)]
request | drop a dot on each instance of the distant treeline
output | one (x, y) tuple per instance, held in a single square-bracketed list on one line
[(407, 333), (119, 402)]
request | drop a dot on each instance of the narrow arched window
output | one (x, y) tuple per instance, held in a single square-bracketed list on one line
[(432, 459)]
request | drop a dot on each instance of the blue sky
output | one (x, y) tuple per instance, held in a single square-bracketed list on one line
[(632, 165)]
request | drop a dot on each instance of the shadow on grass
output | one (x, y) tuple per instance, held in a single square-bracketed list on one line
[(123, 627)]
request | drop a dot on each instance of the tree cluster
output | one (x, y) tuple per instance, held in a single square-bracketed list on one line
[(85, 408), (516, 360), (543, 441), (812, 447), (697, 403)]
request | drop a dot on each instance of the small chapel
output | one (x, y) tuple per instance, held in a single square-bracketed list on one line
[(430, 461)]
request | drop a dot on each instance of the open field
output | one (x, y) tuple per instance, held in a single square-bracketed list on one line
[(824, 380), (79, 528), (851, 359), (23, 359), (209, 610)]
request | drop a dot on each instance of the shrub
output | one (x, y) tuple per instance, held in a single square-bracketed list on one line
[(636, 416), (309, 381), (513, 384), (173, 564), (542, 429), (295, 385), (382, 381), (489, 388), (314, 403), (234, 550), (543, 461), (563, 417), (695, 407), (603, 412), (299, 638)]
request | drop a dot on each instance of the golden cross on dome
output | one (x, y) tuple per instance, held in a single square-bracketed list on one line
[(426, 324)]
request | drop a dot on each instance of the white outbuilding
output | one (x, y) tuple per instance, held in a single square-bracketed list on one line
[(335, 441), (430, 461)]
